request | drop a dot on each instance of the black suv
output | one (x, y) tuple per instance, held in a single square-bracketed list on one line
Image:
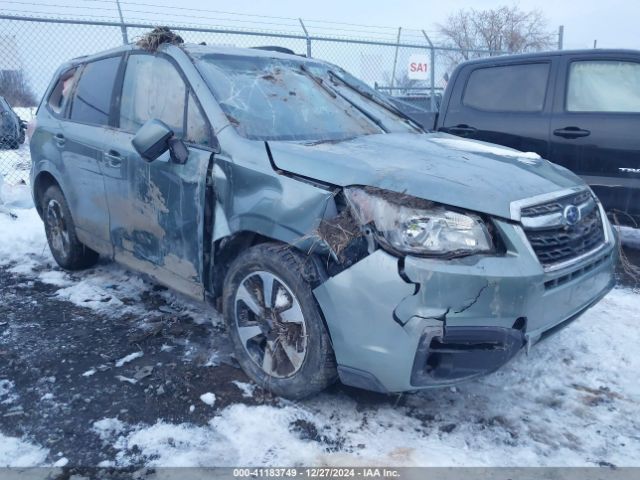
[(579, 109)]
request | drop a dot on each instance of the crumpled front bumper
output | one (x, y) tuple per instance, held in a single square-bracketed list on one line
[(405, 324)]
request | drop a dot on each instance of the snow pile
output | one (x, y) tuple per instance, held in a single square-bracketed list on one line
[(247, 389), (241, 435), (129, 358), (18, 453), (629, 236), (108, 428), (23, 242), (208, 398), (482, 147), (15, 196), (164, 444), (572, 402), (62, 462)]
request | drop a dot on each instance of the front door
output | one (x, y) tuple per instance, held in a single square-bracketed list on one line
[(594, 129), (157, 208)]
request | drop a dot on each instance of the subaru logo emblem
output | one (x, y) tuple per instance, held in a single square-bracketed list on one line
[(571, 215)]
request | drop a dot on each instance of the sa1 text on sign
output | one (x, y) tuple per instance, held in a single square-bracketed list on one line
[(418, 67)]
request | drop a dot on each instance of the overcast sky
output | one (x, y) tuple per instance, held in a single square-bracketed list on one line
[(614, 23)]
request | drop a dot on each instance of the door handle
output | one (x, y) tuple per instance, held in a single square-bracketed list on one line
[(60, 140), (462, 130), (114, 158), (571, 132)]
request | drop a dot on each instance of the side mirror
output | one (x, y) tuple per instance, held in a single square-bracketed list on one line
[(154, 138)]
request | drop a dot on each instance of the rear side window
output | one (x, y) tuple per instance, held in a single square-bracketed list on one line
[(604, 86), (152, 89), (509, 88), (62, 91), (92, 100)]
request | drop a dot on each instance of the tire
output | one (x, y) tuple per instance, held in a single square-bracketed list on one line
[(282, 344), (65, 247)]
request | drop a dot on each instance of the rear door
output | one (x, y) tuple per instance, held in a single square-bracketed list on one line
[(157, 209), (81, 140), (503, 103), (595, 126)]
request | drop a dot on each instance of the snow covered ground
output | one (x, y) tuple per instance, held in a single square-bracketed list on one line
[(573, 401)]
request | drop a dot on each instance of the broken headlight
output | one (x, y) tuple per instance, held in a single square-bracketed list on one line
[(411, 225)]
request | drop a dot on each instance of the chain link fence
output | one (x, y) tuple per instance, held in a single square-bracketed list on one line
[(31, 49)]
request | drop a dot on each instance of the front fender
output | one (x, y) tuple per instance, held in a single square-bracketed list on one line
[(270, 204)]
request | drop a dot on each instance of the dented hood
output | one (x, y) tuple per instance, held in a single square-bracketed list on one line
[(469, 174)]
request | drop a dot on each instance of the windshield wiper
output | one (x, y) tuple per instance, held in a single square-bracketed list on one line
[(387, 106), (334, 94)]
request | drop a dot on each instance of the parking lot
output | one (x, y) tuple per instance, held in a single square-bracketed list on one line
[(406, 174), (103, 368)]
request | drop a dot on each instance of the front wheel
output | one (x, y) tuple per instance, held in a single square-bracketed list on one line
[(274, 322), (65, 247)]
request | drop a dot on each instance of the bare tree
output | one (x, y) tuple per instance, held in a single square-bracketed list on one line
[(16, 89), (499, 30)]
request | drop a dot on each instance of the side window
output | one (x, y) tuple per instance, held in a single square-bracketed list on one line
[(152, 88), (92, 99), (509, 88), (604, 86), (61, 92), (197, 127)]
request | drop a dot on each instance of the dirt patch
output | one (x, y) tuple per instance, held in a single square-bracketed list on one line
[(61, 360)]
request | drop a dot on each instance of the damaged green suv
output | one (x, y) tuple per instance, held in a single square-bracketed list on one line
[(338, 238)]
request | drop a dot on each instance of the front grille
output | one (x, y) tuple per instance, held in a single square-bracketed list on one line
[(556, 205), (559, 243)]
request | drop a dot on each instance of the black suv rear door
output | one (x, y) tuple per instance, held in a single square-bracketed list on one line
[(595, 125), (504, 103)]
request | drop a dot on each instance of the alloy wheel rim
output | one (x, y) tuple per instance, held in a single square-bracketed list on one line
[(58, 233), (270, 324)]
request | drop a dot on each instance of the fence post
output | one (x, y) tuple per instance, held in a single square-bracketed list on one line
[(306, 34), (433, 71), (123, 27), (395, 60), (560, 37)]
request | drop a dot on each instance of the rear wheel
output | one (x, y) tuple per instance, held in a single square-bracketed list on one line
[(275, 324), (65, 247)]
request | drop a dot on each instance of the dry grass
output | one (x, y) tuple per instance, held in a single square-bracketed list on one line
[(160, 35), (340, 231)]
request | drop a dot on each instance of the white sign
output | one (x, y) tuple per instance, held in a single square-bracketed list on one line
[(418, 68)]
